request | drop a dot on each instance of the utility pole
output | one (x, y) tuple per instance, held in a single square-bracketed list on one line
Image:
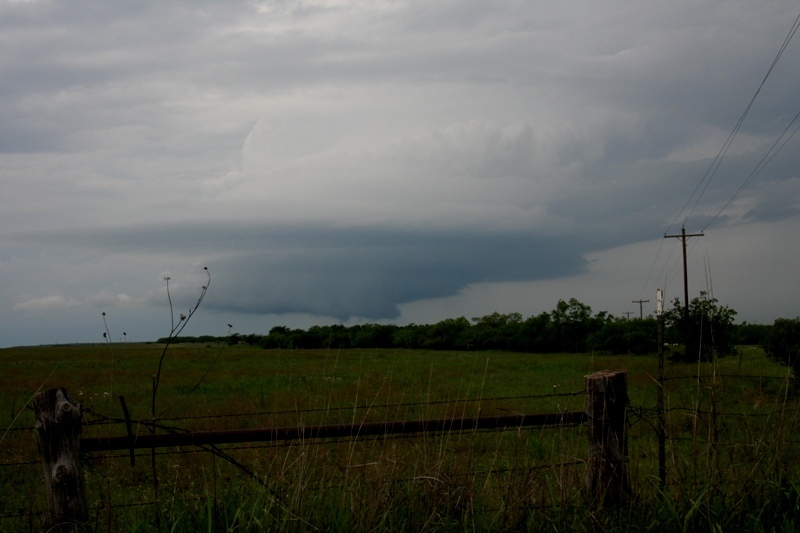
[(683, 235), (640, 302), (627, 314)]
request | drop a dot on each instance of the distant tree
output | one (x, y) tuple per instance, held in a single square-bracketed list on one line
[(449, 334), (573, 324), (538, 335), (751, 334), (337, 336), (710, 329), (643, 336), (783, 344), (372, 335), (620, 335), (571, 327), (252, 339), (315, 337), (279, 337), (412, 336), (495, 332), (306, 340)]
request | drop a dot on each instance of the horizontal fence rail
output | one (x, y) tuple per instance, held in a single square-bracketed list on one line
[(102, 419), (59, 424), (203, 438)]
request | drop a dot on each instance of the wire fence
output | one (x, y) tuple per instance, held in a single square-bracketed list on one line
[(225, 452), (99, 419), (642, 417), (636, 414)]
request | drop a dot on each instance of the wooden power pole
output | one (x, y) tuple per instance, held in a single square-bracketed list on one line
[(640, 302), (682, 236)]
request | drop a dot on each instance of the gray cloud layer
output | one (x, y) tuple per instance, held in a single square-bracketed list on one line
[(342, 273), (340, 158)]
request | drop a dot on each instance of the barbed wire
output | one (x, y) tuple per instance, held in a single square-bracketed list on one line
[(731, 413), (21, 515), (101, 508), (19, 463), (718, 444), (712, 376), (103, 419), (641, 414), (575, 462), (472, 473)]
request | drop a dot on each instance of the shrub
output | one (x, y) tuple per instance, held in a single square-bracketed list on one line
[(783, 344), (710, 329)]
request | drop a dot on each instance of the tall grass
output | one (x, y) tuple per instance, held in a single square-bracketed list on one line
[(732, 451)]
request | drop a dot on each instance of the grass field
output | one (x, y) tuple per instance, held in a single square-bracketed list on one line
[(732, 454)]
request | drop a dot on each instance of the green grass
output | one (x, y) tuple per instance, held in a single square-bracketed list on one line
[(731, 457)]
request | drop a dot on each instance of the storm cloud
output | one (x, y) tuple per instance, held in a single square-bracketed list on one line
[(345, 161), (334, 272)]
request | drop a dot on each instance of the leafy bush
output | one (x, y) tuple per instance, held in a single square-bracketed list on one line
[(752, 334), (783, 344), (709, 332)]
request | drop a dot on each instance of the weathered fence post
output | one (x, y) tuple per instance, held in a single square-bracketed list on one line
[(58, 432), (606, 402)]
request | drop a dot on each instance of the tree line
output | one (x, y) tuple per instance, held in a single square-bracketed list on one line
[(571, 327)]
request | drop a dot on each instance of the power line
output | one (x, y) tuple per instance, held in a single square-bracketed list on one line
[(712, 169), (772, 152)]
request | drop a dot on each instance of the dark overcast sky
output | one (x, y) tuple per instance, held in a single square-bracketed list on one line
[(395, 161)]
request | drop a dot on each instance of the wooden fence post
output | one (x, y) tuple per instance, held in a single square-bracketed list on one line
[(58, 432), (606, 402)]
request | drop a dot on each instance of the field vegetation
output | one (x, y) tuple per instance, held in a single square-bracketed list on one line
[(732, 451)]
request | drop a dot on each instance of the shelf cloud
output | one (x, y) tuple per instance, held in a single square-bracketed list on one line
[(348, 161)]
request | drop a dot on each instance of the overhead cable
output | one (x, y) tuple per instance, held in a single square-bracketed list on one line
[(772, 152), (712, 169)]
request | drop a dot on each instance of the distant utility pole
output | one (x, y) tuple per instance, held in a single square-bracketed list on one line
[(683, 235), (640, 302), (627, 314)]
